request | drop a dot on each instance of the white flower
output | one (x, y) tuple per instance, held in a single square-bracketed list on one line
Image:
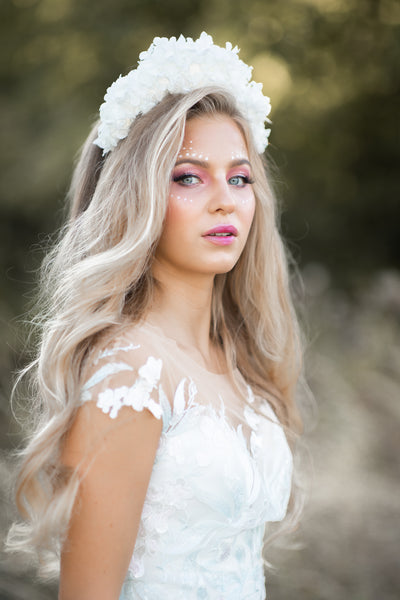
[(252, 419), (179, 66), (110, 401), (151, 371), (138, 395)]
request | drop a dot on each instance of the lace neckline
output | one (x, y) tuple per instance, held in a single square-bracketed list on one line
[(180, 349)]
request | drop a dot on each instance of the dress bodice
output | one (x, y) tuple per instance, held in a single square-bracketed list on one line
[(222, 470)]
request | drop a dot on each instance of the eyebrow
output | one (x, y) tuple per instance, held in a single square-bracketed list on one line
[(205, 165)]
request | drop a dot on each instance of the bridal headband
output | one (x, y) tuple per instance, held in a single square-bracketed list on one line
[(179, 66)]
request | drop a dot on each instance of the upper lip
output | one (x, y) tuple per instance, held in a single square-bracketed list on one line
[(222, 229)]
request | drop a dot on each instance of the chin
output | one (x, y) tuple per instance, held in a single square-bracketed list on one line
[(224, 267)]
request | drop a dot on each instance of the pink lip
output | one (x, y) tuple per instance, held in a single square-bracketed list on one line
[(221, 240), (222, 229)]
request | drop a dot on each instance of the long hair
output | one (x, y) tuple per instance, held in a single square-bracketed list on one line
[(98, 277)]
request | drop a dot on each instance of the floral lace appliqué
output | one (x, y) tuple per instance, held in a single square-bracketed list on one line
[(138, 396), (112, 351)]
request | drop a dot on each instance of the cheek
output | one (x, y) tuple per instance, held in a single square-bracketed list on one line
[(247, 209), (179, 199), (181, 210), (247, 201)]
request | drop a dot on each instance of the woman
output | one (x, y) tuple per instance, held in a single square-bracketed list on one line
[(169, 352)]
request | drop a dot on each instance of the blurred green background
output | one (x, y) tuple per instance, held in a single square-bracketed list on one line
[(332, 70)]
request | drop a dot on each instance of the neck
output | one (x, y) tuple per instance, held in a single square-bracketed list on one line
[(182, 307)]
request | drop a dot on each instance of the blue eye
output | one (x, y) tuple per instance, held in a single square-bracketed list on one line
[(187, 179), (240, 180)]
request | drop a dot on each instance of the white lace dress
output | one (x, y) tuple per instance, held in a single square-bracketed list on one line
[(221, 471)]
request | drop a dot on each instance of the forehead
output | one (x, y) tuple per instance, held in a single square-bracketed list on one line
[(211, 134)]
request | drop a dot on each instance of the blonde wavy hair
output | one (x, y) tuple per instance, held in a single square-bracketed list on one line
[(98, 277)]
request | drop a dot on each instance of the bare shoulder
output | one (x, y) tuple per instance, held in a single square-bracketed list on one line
[(111, 445), (125, 370), (114, 459), (119, 409), (94, 436)]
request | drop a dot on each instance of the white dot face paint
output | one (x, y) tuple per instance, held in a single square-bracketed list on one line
[(180, 198), (189, 152), (239, 155)]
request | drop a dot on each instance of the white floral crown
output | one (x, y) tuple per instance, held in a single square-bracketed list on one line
[(179, 66)]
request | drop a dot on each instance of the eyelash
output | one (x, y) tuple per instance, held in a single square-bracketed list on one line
[(178, 178), (246, 180)]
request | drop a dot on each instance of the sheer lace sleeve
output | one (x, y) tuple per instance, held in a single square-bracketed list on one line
[(126, 373)]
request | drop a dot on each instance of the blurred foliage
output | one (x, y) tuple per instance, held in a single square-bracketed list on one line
[(330, 67)]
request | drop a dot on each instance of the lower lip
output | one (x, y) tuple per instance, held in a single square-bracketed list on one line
[(220, 240)]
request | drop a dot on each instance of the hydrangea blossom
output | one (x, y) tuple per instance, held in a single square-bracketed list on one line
[(181, 65)]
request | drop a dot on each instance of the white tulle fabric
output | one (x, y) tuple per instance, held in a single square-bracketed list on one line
[(222, 471)]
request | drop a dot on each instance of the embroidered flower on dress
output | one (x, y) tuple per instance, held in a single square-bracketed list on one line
[(252, 418), (112, 351), (137, 396)]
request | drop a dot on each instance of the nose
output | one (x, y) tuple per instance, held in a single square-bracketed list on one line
[(222, 198)]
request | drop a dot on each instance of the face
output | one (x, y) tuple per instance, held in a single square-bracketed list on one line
[(211, 201)]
